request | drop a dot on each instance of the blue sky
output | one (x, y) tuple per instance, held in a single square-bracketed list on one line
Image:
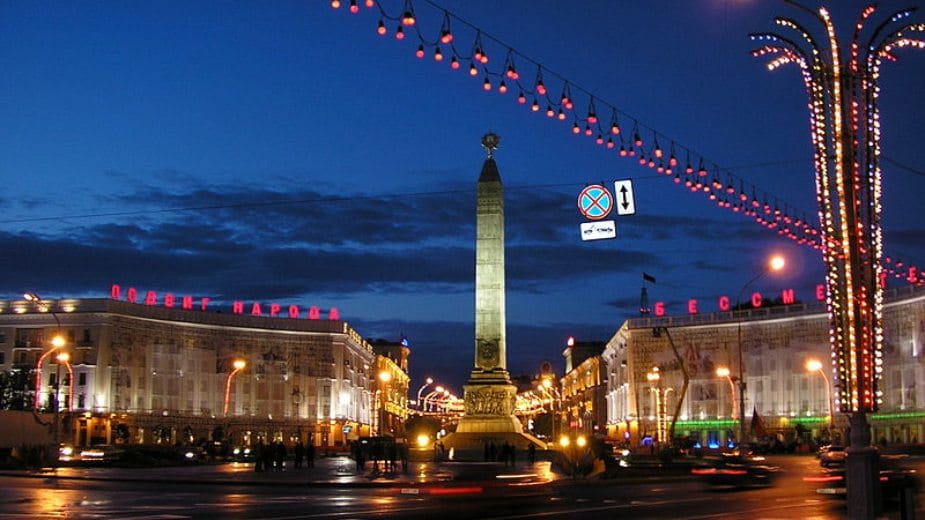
[(285, 152)]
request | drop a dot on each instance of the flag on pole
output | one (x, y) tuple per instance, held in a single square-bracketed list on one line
[(759, 429), (646, 277)]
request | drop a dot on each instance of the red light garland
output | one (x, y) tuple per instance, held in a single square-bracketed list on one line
[(649, 152)]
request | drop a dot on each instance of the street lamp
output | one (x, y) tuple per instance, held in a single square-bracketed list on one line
[(814, 365), (427, 382), (724, 372), (654, 378), (383, 394), (238, 365), (62, 358), (57, 341), (776, 263)]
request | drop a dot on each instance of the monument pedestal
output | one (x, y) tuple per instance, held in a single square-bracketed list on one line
[(489, 418)]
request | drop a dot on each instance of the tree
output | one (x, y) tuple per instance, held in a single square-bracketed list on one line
[(16, 391)]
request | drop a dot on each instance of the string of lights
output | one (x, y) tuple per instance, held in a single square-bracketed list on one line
[(612, 129)]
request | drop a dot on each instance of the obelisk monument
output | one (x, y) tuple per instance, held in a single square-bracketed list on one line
[(489, 395)]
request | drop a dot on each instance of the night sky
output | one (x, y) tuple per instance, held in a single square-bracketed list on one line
[(284, 152)]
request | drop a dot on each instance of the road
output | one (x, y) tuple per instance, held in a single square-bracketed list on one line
[(681, 498)]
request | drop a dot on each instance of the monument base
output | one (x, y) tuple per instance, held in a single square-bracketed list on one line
[(489, 418)]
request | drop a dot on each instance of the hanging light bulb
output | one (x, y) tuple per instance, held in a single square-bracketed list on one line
[(438, 56), (502, 88), (599, 139), (335, 4), (592, 113), (560, 115), (658, 149), (486, 85), (354, 8), (588, 130), (407, 18), (567, 97), (550, 112), (370, 3), (677, 179), (454, 63), (637, 140), (615, 128), (576, 129), (610, 143), (521, 98), (622, 151), (420, 51), (446, 36), (535, 107), (701, 172), (472, 70), (399, 33), (381, 28)]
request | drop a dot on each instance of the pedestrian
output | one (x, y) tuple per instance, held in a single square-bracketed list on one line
[(299, 453), (403, 453), (310, 453), (391, 457), (280, 455), (258, 456)]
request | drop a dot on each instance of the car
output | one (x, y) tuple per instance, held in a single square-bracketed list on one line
[(894, 479), (736, 470), (832, 455)]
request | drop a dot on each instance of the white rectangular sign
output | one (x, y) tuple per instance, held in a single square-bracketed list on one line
[(598, 230), (623, 197)]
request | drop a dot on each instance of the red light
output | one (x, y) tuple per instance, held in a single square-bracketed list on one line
[(672, 161), (399, 33), (540, 88), (381, 28), (622, 151), (600, 139), (354, 8), (446, 36), (637, 140), (610, 144), (614, 129), (592, 118), (454, 63), (420, 51), (486, 85), (512, 73), (521, 98), (588, 130), (576, 129)]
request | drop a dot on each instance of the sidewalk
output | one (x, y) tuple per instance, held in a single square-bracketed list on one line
[(328, 471)]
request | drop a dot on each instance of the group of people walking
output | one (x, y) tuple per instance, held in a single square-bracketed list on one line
[(386, 450), (272, 456)]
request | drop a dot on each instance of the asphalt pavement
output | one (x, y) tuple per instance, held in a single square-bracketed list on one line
[(338, 470)]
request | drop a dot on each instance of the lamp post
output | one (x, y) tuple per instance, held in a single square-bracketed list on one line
[(843, 86), (776, 263), (427, 382), (61, 358), (383, 394), (238, 365), (814, 365), (724, 372), (654, 379), (57, 342)]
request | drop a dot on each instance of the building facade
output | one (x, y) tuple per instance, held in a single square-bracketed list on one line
[(702, 358), (157, 373)]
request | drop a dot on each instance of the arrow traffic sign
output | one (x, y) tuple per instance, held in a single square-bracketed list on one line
[(626, 203)]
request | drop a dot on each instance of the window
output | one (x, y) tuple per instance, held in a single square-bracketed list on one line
[(2, 356), (82, 380)]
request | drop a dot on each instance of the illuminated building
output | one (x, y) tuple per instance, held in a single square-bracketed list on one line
[(777, 341), (161, 371), (583, 386)]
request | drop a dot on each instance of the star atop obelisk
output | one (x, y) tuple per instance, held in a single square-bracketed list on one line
[(490, 142)]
